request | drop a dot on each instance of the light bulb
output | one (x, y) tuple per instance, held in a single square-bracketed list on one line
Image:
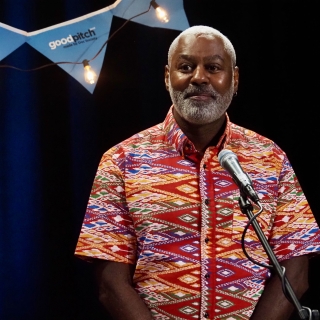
[(89, 75), (162, 14)]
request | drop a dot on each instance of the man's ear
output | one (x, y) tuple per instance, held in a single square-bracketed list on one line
[(166, 77), (235, 79)]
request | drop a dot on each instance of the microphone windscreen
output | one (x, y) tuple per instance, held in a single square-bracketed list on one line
[(223, 154)]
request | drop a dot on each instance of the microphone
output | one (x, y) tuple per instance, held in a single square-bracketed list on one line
[(229, 161)]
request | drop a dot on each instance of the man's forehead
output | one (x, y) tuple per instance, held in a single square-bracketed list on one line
[(190, 57), (210, 46)]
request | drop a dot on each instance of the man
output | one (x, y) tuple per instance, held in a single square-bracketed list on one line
[(163, 217)]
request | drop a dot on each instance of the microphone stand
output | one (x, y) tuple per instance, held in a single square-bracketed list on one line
[(304, 313)]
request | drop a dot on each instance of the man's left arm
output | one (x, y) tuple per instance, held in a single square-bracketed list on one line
[(273, 305)]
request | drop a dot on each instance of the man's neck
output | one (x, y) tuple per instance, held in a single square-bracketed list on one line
[(202, 135)]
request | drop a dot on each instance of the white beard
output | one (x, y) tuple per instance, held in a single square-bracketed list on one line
[(201, 112)]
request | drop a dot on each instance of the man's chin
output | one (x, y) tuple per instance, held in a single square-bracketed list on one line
[(197, 119)]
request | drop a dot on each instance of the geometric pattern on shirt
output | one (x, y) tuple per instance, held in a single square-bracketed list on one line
[(154, 204)]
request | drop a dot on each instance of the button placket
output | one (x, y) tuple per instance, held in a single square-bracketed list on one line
[(208, 203)]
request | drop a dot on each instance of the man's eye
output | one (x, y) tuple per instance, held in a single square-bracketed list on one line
[(185, 67), (212, 68)]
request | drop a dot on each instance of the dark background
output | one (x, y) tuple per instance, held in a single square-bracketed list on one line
[(53, 132)]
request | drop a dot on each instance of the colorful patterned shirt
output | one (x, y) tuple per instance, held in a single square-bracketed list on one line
[(157, 204)]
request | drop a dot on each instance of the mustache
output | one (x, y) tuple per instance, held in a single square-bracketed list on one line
[(196, 91)]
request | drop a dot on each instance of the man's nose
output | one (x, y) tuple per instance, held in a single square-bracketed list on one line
[(200, 76)]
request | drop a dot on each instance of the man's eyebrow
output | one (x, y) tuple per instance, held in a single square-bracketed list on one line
[(207, 58), (214, 57), (186, 57)]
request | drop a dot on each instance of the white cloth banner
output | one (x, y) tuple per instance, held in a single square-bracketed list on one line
[(75, 41), (178, 19), (10, 39), (80, 39)]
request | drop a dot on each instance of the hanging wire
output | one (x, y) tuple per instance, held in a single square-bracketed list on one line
[(69, 62), (243, 241), (270, 267)]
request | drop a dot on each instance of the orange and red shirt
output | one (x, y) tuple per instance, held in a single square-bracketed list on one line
[(157, 204)]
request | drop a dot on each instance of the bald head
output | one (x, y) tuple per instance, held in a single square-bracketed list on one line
[(207, 31)]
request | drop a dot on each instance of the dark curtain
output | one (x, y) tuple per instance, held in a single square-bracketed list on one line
[(53, 132)]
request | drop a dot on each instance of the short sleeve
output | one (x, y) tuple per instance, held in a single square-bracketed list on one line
[(295, 231), (107, 232)]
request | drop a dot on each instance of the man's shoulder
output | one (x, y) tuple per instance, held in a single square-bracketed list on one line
[(248, 138), (142, 139), (241, 133)]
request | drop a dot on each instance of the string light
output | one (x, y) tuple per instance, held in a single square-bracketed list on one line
[(89, 75), (162, 14)]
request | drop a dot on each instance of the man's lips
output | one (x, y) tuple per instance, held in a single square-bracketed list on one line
[(200, 96)]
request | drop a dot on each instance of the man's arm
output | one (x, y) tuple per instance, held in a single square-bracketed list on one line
[(273, 305), (117, 294)]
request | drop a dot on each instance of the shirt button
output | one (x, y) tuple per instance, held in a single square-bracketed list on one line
[(206, 240), (206, 315), (204, 166), (207, 276), (206, 201)]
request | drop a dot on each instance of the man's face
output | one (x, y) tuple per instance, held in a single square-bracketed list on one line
[(201, 79)]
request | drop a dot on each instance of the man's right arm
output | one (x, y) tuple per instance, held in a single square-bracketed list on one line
[(117, 294)]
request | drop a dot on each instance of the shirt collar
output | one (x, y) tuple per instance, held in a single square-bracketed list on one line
[(179, 140)]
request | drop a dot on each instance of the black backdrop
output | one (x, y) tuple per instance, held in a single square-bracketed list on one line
[(53, 132)]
